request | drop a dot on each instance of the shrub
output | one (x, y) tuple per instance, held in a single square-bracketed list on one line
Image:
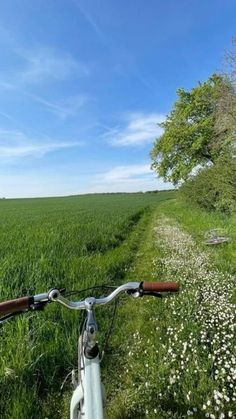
[(213, 188)]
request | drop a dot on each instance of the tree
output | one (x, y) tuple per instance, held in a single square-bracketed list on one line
[(230, 62), (225, 113), (189, 139)]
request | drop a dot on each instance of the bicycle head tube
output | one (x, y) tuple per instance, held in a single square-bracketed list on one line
[(90, 344)]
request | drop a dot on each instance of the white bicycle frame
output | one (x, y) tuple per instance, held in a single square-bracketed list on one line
[(88, 398)]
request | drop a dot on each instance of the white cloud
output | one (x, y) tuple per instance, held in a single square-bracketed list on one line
[(130, 178), (42, 66), (139, 129), (90, 21), (68, 107), (15, 144), (46, 64), (32, 185), (58, 181), (121, 173)]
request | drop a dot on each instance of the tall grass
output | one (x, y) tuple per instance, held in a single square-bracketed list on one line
[(71, 242)]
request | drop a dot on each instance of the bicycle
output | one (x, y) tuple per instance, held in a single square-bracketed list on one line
[(88, 399), (215, 236)]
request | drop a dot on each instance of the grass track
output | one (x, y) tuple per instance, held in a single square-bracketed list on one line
[(141, 386)]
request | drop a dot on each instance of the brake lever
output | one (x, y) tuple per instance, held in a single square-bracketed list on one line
[(9, 316), (34, 307), (141, 293), (38, 306), (62, 290)]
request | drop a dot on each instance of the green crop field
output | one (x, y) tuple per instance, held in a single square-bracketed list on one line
[(71, 242)]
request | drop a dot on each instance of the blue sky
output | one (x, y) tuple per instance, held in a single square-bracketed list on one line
[(84, 83)]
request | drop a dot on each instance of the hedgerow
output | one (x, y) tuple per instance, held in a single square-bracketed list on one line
[(213, 188)]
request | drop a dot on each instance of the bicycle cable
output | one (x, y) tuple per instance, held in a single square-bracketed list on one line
[(74, 292), (109, 331)]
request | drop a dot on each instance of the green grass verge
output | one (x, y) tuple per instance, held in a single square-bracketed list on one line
[(198, 222), (137, 378)]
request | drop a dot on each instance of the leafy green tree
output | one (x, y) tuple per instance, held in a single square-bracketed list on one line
[(225, 115), (189, 139)]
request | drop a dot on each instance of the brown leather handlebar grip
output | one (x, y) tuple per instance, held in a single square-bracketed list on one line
[(12, 306), (160, 286)]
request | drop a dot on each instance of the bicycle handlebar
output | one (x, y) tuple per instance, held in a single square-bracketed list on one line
[(160, 286), (19, 304), (137, 289)]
